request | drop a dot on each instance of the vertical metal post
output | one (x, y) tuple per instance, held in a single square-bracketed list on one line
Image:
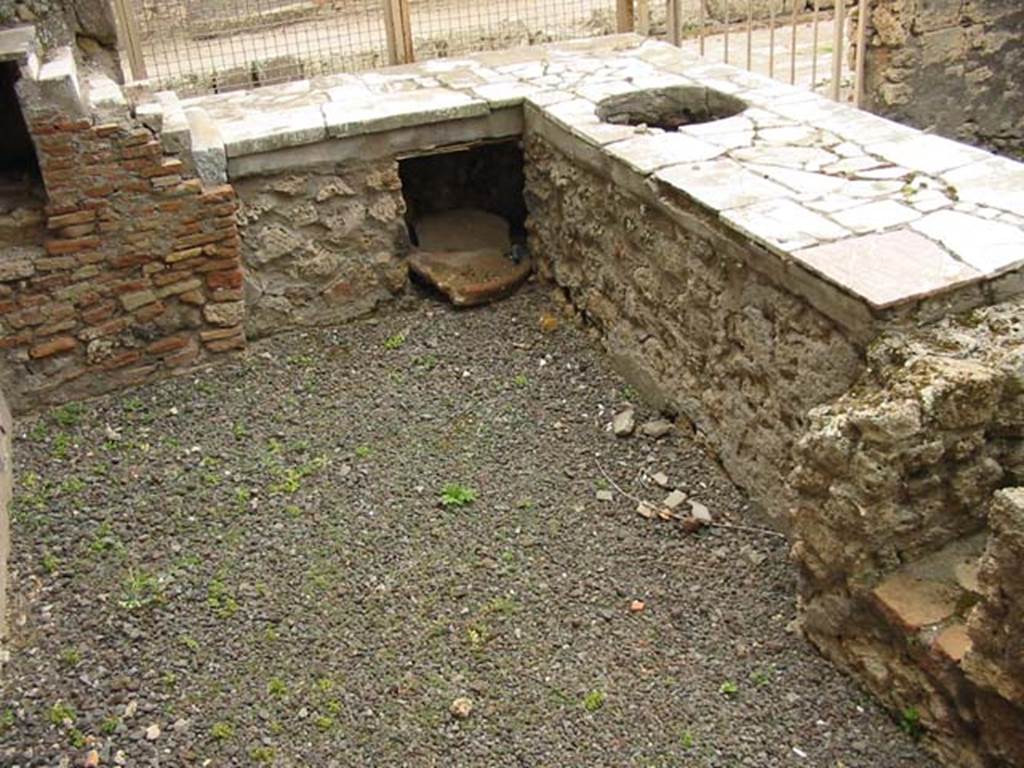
[(673, 16), (624, 15), (702, 33), (643, 17), (792, 48), (750, 32), (862, 44), (130, 37), (837, 47), (814, 45)]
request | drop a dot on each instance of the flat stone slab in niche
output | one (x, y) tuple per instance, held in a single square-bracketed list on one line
[(884, 213)]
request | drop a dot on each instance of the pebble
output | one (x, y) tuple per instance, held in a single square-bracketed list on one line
[(661, 480), (699, 512), (153, 732), (675, 500), (646, 509), (637, 606), (624, 423), (461, 708), (657, 428), (604, 495)]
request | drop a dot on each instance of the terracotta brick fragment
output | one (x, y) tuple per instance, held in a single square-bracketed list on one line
[(67, 219), (54, 346), (169, 344), (150, 312), (230, 279), (74, 245)]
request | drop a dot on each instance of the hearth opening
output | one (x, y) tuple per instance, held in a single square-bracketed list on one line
[(669, 108), (19, 169), (466, 215)]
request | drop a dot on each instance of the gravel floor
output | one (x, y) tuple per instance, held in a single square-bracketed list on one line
[(251, 566)]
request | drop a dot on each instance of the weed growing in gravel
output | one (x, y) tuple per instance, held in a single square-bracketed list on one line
[(189, 642), (105, 540), (426, 362), (457, 495), (141, 590), (594, 700), (301, 361), (61, 445), (910, 722), (61, 713), (291, 477), (324, 722), (109, 726), (521, 380), (50, 563), (762, 677), (70, 657), (394, 342), (686, 740), (222, 731), (729, 689), (72, 486), (6, 720), (277, 687), (77, 739), (69, 415), (263, 755), (220, 601), (363, 451)]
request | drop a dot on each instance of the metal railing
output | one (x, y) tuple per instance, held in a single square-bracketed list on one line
[(198, 46)]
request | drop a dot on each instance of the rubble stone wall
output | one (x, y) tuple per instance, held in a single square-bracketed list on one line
[(953, 67), (690, 326), (139, 272), (321, 247), (912, 460)]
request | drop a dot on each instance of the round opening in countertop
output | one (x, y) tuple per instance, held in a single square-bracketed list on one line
[(669, 108)]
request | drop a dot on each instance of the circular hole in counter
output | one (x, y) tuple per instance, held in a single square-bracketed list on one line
[(669, 108)]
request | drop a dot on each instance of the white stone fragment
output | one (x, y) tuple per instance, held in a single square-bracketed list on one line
[(988, 246)]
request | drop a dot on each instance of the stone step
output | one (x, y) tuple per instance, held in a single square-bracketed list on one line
[(928, 600)]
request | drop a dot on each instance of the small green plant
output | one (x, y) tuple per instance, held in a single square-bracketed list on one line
[(277, 687), (363, 451), (70, 657), (61, 713), (324, 722), (61, 445), (324, 685), (762, 677), (169, 679), (729, 689), (222, 731), (456, 495), (141, 590), (910, 722), (521, 380), (262, 755), (395, 341), (189, 642), (7, 720), (77, 738), (220, 600), (109, 726), (50, 563), (686, 740), (301, 361), (69, 415), (594, 700)]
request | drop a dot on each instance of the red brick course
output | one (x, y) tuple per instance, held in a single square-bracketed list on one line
[(136, 248)]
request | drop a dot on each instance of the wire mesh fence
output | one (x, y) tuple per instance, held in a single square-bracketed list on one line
[(453, 27), (198, 46)]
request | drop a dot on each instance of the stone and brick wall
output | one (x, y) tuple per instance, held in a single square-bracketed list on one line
[(689, 324), (321, 246), (139, 274), (905, 488), (952, 67)]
